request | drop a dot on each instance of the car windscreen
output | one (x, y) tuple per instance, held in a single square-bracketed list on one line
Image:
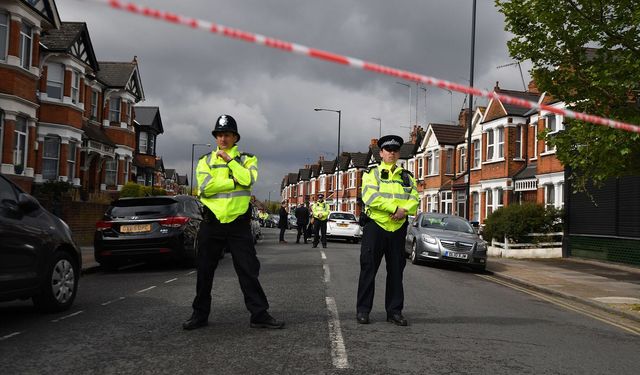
[(342, 216), (149, 208), (446, 223)]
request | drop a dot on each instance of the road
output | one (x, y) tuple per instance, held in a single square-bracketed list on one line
[(129, 321)]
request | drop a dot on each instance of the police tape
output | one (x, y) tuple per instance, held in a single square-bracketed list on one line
[(356, 63)]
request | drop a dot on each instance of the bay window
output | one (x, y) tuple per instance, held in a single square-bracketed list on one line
[(110, 169), (26, 45), (4, 35), (55, 80), (501, 142), (476, 153), (71, 161), (114, 109), (50, 158), (490, 145), (142, 143), (20, 145)]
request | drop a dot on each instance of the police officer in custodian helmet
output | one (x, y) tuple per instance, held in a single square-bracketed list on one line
[(389, 193), (225, 177)]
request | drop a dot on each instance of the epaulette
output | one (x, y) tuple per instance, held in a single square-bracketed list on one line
[(247, 154), (370, 169), (407, 171)]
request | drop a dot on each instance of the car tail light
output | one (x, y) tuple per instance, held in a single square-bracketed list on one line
[(103, 225), (353, 222), (174, 221), (331, 221)]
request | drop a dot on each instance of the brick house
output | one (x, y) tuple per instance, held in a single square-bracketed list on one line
[(148, 125)]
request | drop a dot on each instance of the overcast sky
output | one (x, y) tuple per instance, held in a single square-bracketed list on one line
[(194, 76)]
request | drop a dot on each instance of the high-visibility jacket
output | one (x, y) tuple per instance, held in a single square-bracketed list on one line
[(225, 188), (383, 191), (320, 210)]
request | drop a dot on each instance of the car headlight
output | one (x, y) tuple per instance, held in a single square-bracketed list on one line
[(428, 239), (481, 246)]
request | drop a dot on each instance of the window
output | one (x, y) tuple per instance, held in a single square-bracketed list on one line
[(322, 184), (111, 169), (4, 35), (94, 105), (561, 194), (420, 167), (26, 45), (489, 202), (142, 143), (476, 206), (476, 153), (430, 163), (75, 86), (71, 161), (19, 145), (55, 80), (152, 145), (126, 170), (500, 198), (1, 131), (463, 160), (313, 187), (410, 166), (490, 145), (446, 202), (352, 179), (449, 161), (436, 162), (50, 157), (114, 110), (552, 127), (500, 142), (518, 150), (461, 204), (550, 196)]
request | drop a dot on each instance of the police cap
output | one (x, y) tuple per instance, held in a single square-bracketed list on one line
[(390, 142)]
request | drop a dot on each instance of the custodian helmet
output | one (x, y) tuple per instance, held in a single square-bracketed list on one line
[(226, 123)]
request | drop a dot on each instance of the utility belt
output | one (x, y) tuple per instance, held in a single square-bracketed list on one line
[(209, 217), (364, 219)]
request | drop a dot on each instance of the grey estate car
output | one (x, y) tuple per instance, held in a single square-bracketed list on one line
[(448, 238)]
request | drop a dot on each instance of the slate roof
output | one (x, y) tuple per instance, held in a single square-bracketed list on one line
[(328, 166), (526, 173), (360, 159), (304, 174), (293, 178), (61, 40), (407, 150), (149, 116), (448, 134), (170, 173), (344, 159), (315, 170), (116, 74), (183, 180), (96, 133), (514, 110)]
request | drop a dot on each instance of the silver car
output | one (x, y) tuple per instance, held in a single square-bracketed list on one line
[(448, 238)]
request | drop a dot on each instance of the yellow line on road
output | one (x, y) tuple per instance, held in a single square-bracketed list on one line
[(559, 302)]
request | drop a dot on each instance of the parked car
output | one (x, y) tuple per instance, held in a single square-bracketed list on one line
[(38, 257), (293, 222), (148, 228), (343, 225), (446, 238), (256, 232), (272, 221)]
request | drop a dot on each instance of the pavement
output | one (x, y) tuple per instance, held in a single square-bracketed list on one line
[(611, 287)]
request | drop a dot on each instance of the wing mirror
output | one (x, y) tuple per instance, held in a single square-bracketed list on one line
[(27, 203)]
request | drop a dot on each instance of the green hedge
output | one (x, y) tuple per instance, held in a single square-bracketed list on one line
[(131, 189), (516, 221)]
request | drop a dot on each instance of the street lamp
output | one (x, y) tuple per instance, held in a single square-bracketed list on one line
[(450, 105), (425, 105), (409, 87), (193, 145), (339, 112), (380, 121), (470, 115)]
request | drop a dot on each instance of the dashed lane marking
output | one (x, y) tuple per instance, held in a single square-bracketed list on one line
[(327, 273), (10, 335), (172, 280), (323, 255), (112, 301), (146, 289), (67, 316), (338, 349), (191, 273)]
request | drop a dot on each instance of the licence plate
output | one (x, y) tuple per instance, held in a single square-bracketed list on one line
[(135, 228), (451, 254), (343, 225)]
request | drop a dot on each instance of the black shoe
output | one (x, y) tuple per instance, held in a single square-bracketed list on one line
[(397, 319), (269, 322), (194, 322), (362, 318)]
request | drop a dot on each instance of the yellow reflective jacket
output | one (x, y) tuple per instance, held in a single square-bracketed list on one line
[(225, 188), (320, 210), (383, 191)]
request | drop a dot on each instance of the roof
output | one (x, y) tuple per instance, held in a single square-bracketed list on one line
[(448, 134), (360, 159), (149, 116), (183, 180), (328, 165), (315, 170), (513, 109), (116, 74), (293, 178), (64, 38), (96, 133), (304, 174), (407, 150), (526, 173), (170, 173), (344, 159)]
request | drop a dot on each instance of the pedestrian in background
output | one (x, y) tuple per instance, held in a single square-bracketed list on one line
[(389, 193), (302, 219), (320, 212), (283, 222), (225, 177)]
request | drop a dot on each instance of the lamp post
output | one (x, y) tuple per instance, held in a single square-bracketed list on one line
[(409, 87), (339, 112), (470, 114), (425, 105), (193, 145), (450, 105), (380, 121)]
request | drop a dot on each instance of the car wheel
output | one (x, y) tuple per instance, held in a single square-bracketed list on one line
[(414, 253), (60, 284)]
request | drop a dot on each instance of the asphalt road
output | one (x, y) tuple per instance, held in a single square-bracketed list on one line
[(129, 321)]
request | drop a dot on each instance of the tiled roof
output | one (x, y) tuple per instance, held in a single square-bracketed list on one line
[(293, 178), (115, 74), (528, 172), (170, 173), (96, 133), (407, 150), (344, 161), (304, 174), (183, 180), (62, 38), (328, 166), (360, 159), (448, 134), (149, 116), (315, 170), (514, 110)]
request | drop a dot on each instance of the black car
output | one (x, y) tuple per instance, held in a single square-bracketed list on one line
[(148, 228), (38, 258)]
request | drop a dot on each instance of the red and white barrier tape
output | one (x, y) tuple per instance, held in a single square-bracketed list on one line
[(356, 63)]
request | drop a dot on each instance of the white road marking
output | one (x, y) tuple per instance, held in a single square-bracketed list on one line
[(67, 316), (338, 350), (145, 290), (323, 255), (130, 266), (191, 273), (327, 273), (10, 335), (168, 281), (112, 301)]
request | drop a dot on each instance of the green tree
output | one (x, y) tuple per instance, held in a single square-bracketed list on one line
[(586, 53)]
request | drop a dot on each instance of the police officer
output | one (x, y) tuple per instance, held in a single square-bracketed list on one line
[(320, 213), (390, 195), (225, 177)]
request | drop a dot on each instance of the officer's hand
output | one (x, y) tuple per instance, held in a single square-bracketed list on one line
[(222, 154), (400, 214)]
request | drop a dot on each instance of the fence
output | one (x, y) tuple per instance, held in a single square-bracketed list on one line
[(506, 249)]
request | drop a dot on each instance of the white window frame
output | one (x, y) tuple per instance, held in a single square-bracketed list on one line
[(449, 163), (20, 144), (463, 160), (500, 143), (429, 163), (549, 195), (115, 106), (446, 202), (142, 142), (499, 197), (55, 82), (436, 162), (111, 172), (420, 167), (490, 145), (476, 206), (313, 186), (560, 194), (477, 153), (323, 184), (352, 179), (26, 45), (51, 158), (488, 203), (551, 130), (94, 104), (151, 146), (518, 142), (461, 204), (75, 87), (4, 36)]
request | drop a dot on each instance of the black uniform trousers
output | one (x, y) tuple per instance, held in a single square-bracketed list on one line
[(213, 237), (319, 228), (377, 242), (302, 231)]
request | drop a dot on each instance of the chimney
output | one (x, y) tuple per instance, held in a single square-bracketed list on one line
[(497, 88), (533, 88), (463, 117), (374, 142), (321, 158)]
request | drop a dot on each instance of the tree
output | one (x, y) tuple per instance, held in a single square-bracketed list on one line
[(586, 53)]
